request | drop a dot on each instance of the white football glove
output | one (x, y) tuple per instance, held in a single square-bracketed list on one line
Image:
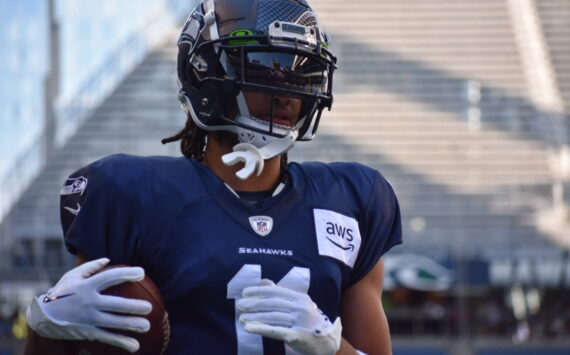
[(280, 313), (75, 309)]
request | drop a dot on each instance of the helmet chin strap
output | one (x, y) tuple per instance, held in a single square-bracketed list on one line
[(254, 158)]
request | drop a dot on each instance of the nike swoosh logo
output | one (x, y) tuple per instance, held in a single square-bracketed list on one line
[(55, 298), (74, 211), (349, 247)]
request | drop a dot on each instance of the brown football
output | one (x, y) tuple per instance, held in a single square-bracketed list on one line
[(152, 342)]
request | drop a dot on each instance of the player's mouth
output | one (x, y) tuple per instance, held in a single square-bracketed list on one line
[(278, 119)]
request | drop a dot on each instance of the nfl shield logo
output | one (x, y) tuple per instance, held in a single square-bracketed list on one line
[(261, 225)]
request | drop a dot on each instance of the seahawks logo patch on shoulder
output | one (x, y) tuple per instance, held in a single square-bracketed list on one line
[(74, 186)]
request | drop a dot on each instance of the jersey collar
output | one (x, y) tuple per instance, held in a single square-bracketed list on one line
[(280, 207)]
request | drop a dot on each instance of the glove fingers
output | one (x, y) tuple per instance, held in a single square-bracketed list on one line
[(256, 304), (127, 343), (269, 331), (114, 321), (89, 268), (270, 318), (123, 305), (267, 282), (269, 291), (117, 276)]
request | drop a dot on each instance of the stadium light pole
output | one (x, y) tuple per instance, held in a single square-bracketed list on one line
[(51, 84), (51, 91)]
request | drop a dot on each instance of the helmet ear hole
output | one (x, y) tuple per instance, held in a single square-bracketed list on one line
[(206, 103)]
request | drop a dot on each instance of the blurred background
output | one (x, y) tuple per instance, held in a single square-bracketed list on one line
[(463, 105)]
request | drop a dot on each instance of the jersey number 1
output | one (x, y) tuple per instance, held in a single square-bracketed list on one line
[(298, 279)]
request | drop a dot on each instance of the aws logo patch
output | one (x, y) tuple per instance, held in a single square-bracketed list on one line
[(346, 234), (338, 236)]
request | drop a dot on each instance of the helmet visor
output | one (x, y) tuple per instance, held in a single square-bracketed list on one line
[(282, 70)]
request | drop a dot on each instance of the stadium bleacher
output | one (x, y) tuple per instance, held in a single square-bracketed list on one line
[(554, 15), (402, 105)]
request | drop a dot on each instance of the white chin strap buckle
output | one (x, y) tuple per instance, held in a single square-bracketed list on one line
[(250, 155)]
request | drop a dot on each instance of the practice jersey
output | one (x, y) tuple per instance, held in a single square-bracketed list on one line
[(202, 245)]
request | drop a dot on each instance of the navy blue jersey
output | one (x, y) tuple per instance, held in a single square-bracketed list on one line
[(202, 245)]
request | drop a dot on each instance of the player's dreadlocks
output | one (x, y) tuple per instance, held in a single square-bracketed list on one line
[(193, 142)]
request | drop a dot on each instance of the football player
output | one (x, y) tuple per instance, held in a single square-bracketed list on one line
[(253, 255)]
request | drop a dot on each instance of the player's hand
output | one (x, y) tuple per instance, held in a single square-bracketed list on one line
[(75, 309), (283, 314)]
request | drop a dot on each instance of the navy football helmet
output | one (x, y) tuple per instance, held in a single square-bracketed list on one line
[(272, 46)]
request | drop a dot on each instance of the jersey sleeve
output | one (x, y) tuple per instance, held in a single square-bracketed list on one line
[(97, 218), (381, 228)]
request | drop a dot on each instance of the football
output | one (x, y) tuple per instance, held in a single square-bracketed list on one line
[(152, 342)]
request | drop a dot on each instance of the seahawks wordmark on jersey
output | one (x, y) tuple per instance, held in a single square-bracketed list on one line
[(202, 245)]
